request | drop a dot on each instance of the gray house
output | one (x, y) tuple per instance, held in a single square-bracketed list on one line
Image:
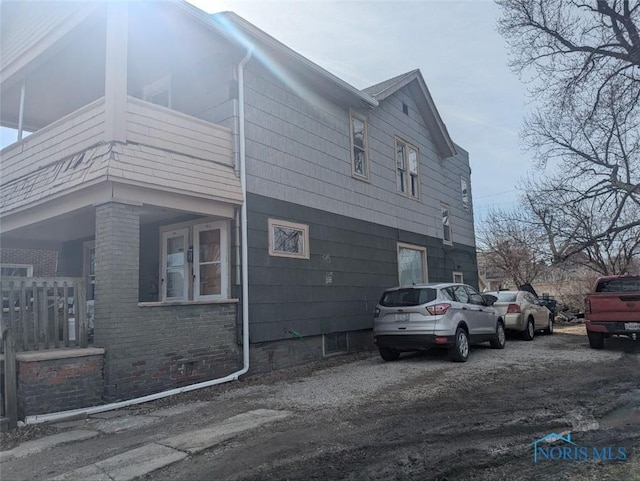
[(227, 204)]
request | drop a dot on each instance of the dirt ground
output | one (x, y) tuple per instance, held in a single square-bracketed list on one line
[(436, 420)]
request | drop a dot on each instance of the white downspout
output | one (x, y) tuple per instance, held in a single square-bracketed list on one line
[(83, 412), (245, 248)]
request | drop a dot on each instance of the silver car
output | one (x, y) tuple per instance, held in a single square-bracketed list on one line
[(523, 312), (419, 317)]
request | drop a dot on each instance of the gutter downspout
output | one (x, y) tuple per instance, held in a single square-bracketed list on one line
[(83, 412)]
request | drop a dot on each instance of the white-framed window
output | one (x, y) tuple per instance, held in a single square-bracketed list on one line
[(16, 270), (210, 260), (359, 147), (89, 268), (158, 92), (458, 278), (407, 171), (195, 261), (288, 239), (412, 264), (175, 279), (447, 235), (464, 190)]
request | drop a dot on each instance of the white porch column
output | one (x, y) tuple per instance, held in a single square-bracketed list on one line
[(115, 91)]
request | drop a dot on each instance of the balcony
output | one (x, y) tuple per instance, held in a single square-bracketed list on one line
[(164, 150)]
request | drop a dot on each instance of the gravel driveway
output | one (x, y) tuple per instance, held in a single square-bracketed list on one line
[(419, 418), (424, 417)]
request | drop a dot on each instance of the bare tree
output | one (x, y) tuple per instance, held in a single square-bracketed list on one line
[(583, 61), (511, 245)]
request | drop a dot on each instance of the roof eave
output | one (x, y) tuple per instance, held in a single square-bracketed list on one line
[(270, 42)]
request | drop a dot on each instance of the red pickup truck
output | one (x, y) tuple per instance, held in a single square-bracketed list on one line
[(613, 308)]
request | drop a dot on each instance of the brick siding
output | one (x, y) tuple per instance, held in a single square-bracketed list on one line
[(54, 385), (151, 349), (44, 262)]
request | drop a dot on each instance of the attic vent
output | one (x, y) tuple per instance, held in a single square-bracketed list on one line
[(405, 108)]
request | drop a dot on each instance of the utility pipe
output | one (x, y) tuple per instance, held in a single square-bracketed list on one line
[(35, 419)]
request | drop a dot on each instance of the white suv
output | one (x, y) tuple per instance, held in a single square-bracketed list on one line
[(419, 317)]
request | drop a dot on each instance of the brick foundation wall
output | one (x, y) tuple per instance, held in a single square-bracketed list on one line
[(44, 262), (271, 356), (48, 384), (165, 347)]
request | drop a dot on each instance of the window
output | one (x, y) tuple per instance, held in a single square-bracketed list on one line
[(412, 264), (288, 239), (408, 297), (458, 277), (405, 109), (407, 169), (195, 262), (464, 188), (335, 343), (460, 294), (175, 281), (89, 249), (210, 265), (16, 270), (474, 296), (159, 92), (359, 155), (446, 225)]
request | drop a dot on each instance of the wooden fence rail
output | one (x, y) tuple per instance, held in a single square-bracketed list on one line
[(45, 313), (9, 406)]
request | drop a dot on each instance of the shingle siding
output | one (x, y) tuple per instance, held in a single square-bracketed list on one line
[(351, 263), (299, 151)]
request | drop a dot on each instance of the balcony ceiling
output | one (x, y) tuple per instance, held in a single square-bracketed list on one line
[(70, 76)]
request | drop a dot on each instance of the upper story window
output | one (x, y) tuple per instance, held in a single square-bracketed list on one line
[(407, 169), (359, 154), (288, 239), (159, 92), (464, 190), (447, 236)]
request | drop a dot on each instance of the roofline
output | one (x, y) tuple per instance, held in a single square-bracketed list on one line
[(269, 41), (417, 75)]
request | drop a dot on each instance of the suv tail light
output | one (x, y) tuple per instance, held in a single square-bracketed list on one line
[(438, 309), (376, 313), (513, 309), (587, 306)]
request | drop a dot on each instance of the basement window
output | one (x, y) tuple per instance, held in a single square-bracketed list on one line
[(335, 343)]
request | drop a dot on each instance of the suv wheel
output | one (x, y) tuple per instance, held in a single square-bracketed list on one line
[(530, 331), (549, 330), (388, 354), (596, 340), (500, 339), (460, 350)]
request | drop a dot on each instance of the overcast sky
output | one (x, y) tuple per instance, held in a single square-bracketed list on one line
[(454, 43)]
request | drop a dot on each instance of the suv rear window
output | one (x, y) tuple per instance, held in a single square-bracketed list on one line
[(407, 297), (622, 284)]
